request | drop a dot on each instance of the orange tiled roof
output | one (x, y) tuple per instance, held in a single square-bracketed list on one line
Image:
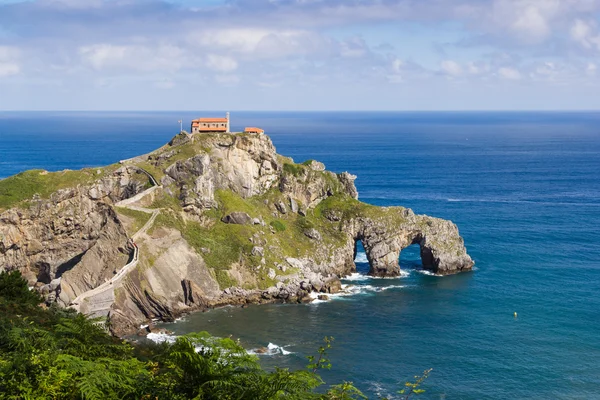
[(210, 120), (252, 129)]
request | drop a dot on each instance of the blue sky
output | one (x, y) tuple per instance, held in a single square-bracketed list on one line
[(299, 54)]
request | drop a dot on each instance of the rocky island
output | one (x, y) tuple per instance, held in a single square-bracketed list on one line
[(207, 220)]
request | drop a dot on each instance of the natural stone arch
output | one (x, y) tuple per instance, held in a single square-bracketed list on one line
[(441, 247)]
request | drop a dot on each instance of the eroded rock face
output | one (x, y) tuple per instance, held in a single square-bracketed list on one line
[(74, 235), (246, 165)]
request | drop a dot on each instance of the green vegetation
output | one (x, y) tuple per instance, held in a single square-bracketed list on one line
[(163, 200), (139, 218), (59, 354), (294, 169), (278, 225), (25, 185)]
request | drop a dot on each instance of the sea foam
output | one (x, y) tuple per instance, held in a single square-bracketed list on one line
[(271, 350)]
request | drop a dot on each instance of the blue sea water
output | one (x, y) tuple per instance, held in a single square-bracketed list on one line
[(523, 188)]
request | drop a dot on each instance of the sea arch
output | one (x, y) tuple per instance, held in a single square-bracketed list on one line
[(442, 249)]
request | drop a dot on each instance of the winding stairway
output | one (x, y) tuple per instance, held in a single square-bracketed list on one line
[(96, 302)]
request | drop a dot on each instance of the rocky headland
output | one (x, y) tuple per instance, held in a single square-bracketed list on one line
[(206, 220)]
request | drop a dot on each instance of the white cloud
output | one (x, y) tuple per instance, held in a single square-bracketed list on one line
[(531, 19), (353, 48), (9, 61), (8, 69), (586, 34), (259, 42), (165, 84), (221, 63), (134, 57), (451, 68), (227, 80), (509, 73)]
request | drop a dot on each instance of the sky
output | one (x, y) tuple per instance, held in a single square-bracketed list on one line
[(300, 55)]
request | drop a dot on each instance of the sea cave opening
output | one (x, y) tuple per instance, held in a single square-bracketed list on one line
[(360, 258), (410, 258)]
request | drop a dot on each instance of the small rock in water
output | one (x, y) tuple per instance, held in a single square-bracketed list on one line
[(262, 350), (323, 297)]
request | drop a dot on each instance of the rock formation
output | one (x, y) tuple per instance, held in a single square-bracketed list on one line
[(232, 222)]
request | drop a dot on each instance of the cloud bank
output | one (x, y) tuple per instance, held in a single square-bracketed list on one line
[(299, 54)]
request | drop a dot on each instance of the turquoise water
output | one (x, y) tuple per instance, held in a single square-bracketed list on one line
[(524, 190)]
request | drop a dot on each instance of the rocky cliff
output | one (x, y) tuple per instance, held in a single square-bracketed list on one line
[(216, 219)]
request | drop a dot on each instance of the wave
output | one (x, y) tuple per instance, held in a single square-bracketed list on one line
[(428, 273), (349, 290), (271, 350), (356, 276), (361, 258), (161, 337)]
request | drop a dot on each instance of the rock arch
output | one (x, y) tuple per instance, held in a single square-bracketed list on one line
[(442, 248)]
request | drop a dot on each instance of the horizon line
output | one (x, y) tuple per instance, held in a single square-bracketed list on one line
[(300, 111)]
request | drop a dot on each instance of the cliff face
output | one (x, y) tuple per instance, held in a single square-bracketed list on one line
[(228, 221)]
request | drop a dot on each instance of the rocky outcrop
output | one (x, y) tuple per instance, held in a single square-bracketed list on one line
[(74, 235), (232, 222)]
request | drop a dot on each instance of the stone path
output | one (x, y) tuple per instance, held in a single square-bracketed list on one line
[(103, 295)]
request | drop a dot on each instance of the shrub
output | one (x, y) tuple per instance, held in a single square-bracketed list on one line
[(278, 225)]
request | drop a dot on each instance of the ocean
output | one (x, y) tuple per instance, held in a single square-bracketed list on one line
[(523, 188)]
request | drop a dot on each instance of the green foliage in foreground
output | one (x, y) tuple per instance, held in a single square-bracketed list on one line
[(59, 354)]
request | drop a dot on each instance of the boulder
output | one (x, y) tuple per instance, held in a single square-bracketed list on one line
[(239, 218), (293, 205), (313, 234), (280, 205)]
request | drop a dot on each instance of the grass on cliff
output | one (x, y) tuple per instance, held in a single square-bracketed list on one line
[(25, 185), (222, 245), (348, 208), (138, 218), (157, 165)]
